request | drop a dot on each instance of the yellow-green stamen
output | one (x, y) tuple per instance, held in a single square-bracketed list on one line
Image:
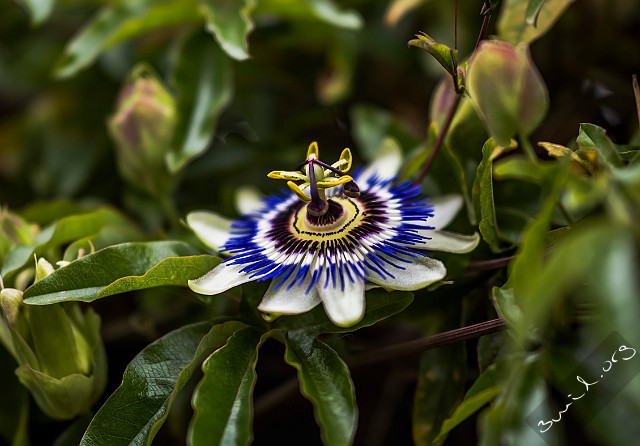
[(318, 176)]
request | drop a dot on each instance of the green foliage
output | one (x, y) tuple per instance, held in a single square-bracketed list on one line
[(117, 119), (325, 381), (121, 268), (222, 400), (202, 78), (138, 408)]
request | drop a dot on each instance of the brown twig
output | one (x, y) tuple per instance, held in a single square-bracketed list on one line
[(636, 93), (439, 141), (286, 390), (483, 265), (486, 18), (428, 343)]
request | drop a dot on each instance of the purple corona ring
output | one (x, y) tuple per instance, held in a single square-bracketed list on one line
[(334, 236)]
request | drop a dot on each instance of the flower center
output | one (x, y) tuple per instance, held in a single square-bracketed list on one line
[(316, 177), (343, 214)]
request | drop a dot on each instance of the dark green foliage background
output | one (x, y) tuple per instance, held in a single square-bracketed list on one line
[(569, 278)]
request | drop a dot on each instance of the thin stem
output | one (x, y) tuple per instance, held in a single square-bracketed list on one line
[(455, 28), (428, 343), (483, 265), (636, 94), (486, 18), (439, 141), (528, 148)]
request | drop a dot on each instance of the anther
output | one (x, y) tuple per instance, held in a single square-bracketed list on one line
[(351, 189)]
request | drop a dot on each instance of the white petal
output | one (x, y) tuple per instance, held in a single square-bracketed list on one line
[(448, 241), (421, 272), (213, 229), (289, 301), (387, 163), (344, 307), (248, 200), (219, 279), (445, 210), (452, 242)]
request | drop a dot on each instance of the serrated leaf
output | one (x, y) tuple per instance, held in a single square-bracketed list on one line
[(223, 399), (326, 382), (444, 55), (138, 408), (515, 15), (231, 23), (121, 268), (119, 22), (379, 305), (203, 80)]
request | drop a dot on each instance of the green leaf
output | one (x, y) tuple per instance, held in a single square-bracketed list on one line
[(466, 133), (524, 390), (533, 11), (40, 10), (373, 125), (526, 268), (326, 382), (594, 137), (482, 194), (514, 21), (321, 10), (506, 306), (119, 22), (230, 22), (595, 253), (138, 408), (121, 268), (203, 80), (335, 82), (380, 305), (45, 212), (522, 168), (485, 388), (223, 399), (91, 225), (444, 55)]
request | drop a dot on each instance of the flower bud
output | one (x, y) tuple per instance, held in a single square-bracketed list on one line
[(143, 127), (60, 355), (507, 90)]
